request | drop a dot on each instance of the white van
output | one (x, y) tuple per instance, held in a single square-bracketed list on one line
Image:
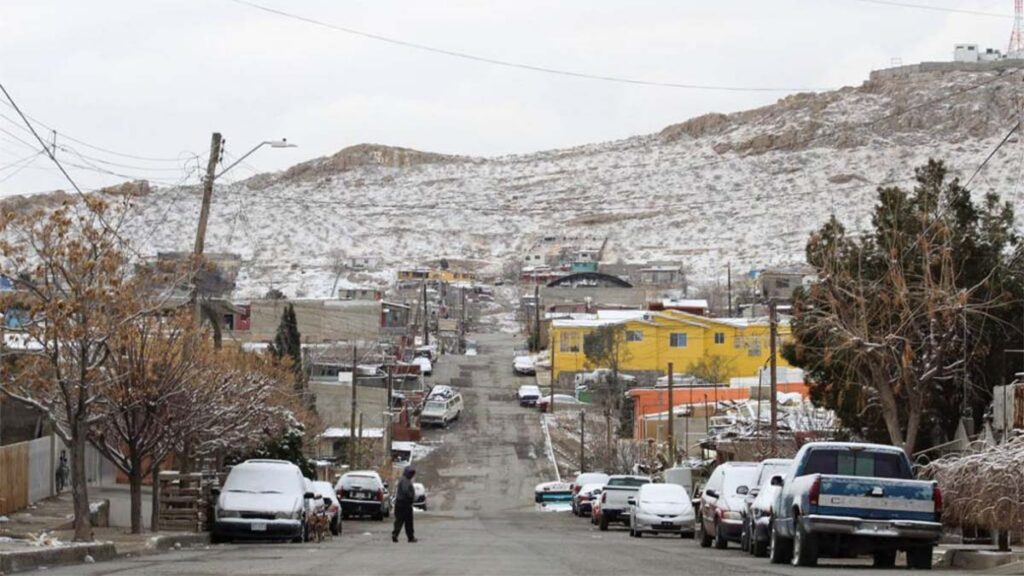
[(441, 411)]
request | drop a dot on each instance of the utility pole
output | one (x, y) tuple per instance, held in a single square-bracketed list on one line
[(426, 320), (728, 272), (204, 216), (463, 325), (671, 418), (352, 416), (583, 455), (388, 418), (536, 318), (773, 319)]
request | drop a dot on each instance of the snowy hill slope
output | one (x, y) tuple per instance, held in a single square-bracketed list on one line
[(746, 187)]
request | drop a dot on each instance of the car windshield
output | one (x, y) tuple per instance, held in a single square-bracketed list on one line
[(628, 482), (269, 479), (861, 463), (591, 478), (739, 476), (772, 469), (663, 494), (435, 406)]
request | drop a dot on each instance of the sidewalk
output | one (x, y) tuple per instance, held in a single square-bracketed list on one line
[(42, 535)]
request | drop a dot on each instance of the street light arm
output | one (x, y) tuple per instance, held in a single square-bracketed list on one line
[(244, 156)]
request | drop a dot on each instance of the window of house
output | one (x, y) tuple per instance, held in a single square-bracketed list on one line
[(782, 283), (677, 340), (719, 337), (634, 336), (569, 342)]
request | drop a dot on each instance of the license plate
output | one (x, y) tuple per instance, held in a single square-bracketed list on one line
[(667, 525), (361, 496), (259, 526)]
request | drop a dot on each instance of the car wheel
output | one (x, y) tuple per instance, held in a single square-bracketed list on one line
[(632, 533), (805, 547), (379, 517), (720, 542), (919, 558), (884, 559), (216, 538), (779, 548), (757, 548), (745, 538), (336, 526), (604, 524), (639, 534), (703, 536)]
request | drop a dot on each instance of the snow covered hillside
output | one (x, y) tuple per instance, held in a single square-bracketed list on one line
[(745, 187)]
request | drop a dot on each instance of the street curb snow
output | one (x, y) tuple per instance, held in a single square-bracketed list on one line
[(23, 560), (548, 447)]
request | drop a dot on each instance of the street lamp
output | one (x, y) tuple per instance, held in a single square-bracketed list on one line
[(282, 143)]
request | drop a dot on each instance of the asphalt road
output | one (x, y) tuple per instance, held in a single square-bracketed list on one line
[(482, 518)]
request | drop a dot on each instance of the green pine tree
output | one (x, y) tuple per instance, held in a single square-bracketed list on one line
[(287, 340)]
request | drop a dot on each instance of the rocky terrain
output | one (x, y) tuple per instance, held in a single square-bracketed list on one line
[(745, 188)]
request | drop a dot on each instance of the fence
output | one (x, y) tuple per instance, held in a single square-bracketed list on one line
[(28, 471)]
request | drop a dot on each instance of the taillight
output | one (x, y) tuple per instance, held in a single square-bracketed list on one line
[(341, 493), (576, 489), (815, 491), (604, 497), (380, 495), (937, 498)]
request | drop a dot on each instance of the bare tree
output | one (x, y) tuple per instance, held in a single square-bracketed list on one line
[(605, 347)]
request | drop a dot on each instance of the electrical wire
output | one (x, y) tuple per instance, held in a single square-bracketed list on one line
[(512, 64), (895, 4)]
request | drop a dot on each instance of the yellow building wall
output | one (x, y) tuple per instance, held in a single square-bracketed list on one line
[(745, 350)]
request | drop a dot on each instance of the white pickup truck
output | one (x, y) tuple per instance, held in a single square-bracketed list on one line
[(615, 498)]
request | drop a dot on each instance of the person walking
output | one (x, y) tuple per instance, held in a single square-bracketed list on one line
[(404, 498)]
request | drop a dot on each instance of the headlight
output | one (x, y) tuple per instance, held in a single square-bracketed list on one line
[(221, 513), (730, 515), (294, 515)]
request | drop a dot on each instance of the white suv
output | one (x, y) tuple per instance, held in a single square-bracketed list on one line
[(262, 499)]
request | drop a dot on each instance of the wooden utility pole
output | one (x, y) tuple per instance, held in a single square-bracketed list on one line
[(462, 326), (355, 407), (728, 269), (773, 320), (671, 418), (426, 320), (204, 216), (388, 417), (536, 318), (583, 433)]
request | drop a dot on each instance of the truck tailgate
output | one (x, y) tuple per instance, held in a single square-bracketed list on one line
[(876, 498)]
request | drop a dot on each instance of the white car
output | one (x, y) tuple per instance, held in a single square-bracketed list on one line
[(528, 395), (662, 509), (426, 367), (421, 496), (440, 411), (324, 492), (262, 500), (524, 366)]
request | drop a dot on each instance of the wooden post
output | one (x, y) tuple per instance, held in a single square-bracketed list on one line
[(583, 455), (204, 217), (352, 416), (671, 418), (774, 334)]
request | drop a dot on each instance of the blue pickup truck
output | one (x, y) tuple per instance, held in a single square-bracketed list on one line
[(845, 500)]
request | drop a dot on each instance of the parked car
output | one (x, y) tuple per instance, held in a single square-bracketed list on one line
[(751, 538), (615, 498), (421, 496), (583, 501), (528, 395), (524, 366), (680, 476), (720, 517), (324, 490), (661, 509), (363, 493), (581, 480), (262, 499), (441, 411), (854, 499), (425, 365), (560, 400), (549, 492)]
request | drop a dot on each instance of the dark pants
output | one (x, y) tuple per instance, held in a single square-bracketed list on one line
[(403, 516)]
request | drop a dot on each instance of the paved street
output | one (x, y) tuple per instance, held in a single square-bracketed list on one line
[(482, 518)]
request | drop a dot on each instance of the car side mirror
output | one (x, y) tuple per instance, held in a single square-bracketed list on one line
[(215, 491), (386, 486), (327, 501), (631, 501), (743, 490), (309, 495), (711, 493), (777, 481)]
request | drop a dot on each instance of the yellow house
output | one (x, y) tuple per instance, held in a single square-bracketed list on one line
[(653, 339)]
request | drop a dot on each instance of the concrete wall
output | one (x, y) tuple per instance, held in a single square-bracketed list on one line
[(334, 404), (634, 297), (319, 320), (899, 71)]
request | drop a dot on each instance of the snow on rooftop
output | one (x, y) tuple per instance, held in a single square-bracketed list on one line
[(343, 432), (684, 303)]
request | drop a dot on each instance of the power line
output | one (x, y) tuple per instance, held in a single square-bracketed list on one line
[(992, 153), (931, 8), (512, 64)]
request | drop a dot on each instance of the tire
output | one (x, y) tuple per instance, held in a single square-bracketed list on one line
[(379, 516), (919, 558), (720, 542), (336, 526), (883, 559), (604, 524), (805, 547), (639, 534), (216, 538), (702, 535), (632, 533), (779, 548), (758, 549), (745, 538)]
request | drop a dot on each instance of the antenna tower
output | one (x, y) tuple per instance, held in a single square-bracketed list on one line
[(1016, 49)]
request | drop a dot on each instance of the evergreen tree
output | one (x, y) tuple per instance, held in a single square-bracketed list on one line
[(288, 341)]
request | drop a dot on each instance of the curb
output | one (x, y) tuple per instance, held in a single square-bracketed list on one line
[(158, 544), (978, 559), (23, 560)]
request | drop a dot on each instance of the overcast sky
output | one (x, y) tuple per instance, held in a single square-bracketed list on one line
[(153, 78)]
